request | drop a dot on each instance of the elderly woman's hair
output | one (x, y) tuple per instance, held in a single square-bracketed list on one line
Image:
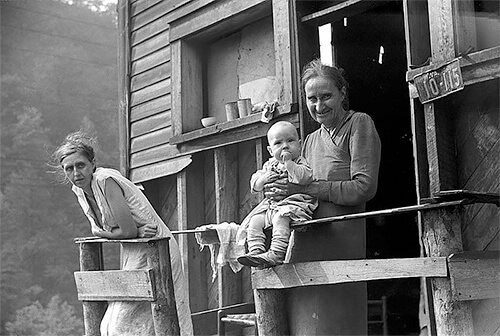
[(316, 68), (77, 142)]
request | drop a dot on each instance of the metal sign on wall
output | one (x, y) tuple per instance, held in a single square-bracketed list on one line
[(439, 82)]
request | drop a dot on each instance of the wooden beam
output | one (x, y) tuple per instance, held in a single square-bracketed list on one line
[(270, 308), (91, 259), (221, 16), (442, 237), (286, 51), (475, 275), (187, 87), (124, 85), (226, 210), (164, 309), (341, 10), (160, 169), (130, 285), (464, 18), (343, 271), (476, 67)]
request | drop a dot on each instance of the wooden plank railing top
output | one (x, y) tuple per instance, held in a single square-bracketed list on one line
[(343, 271)]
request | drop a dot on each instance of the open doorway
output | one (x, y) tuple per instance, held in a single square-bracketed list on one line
[(370, 47)]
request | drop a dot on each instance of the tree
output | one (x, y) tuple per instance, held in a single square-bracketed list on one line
[(66, 82), (56, 318)]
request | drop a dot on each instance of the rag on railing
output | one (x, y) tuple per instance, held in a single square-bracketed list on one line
[(223, 248)]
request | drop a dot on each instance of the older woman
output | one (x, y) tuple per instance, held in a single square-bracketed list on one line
[(117, 209), (344, 154)]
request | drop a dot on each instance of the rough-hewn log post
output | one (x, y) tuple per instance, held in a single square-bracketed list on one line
[(93, 311), (270, 309), (165, 319), (442, 237)]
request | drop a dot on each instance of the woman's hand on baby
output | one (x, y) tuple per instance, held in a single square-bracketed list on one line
[(270, 177), (277, 190), (147, 231)]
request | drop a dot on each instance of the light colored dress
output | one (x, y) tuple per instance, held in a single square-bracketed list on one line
[(135, 318), (299, 207), (345, 163)]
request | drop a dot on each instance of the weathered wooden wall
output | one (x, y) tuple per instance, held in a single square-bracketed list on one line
[(150, 122), (477, 139)]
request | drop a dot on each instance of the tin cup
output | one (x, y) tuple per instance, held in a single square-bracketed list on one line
[(231, 111), (244, 107)]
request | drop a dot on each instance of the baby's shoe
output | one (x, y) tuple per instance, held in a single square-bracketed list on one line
[(266, 259)]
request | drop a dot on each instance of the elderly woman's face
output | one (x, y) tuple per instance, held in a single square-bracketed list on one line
[(78, 170), (324, 101)]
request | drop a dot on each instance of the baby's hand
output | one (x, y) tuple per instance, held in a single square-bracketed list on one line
[(285, 156)]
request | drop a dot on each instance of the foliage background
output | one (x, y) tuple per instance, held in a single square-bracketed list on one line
[(58, 75)]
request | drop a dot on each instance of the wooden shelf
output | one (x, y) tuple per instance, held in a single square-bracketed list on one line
[(229, 126)]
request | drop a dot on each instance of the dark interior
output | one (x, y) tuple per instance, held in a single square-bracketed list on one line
[(381, 91)]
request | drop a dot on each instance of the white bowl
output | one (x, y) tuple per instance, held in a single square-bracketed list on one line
[(208, 121)]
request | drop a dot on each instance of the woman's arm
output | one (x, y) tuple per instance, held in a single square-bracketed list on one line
[(364, 149), (120, 213)]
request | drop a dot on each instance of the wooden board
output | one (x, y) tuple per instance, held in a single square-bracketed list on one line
[(150, 45), (152, 139), (150, 92), (159, 169), (150, 61), (475, 275), (151, 107), (226, 207), (342, 271), (226, 16), (340, 10), (152, 76), (130, 285), (153, 123), (153, 155)]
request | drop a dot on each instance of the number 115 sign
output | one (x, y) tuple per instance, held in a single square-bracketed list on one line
[(440, 82)]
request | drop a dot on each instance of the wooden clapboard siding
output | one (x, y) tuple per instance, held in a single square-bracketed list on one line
[(150, 92), (151, 61), (150, 108), (150, 126), (168, 10), (138, 7), (152, 76), (151, 139), (150, 45), (148, 31), (152, 155), (153, 123)]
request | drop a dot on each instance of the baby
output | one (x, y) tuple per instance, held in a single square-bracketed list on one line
[(284, 147)]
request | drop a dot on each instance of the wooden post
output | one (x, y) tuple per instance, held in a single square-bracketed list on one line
[(93, 311), (165, 319), (443, 237), (124, 85), (270, 308), (226, 201), (442, 227)]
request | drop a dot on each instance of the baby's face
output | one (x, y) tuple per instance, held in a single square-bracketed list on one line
[(284, 143)]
